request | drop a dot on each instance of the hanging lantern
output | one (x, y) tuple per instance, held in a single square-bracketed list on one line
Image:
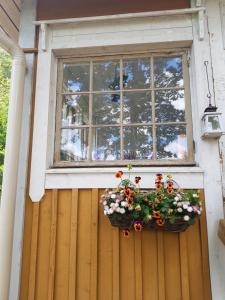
[(211, 120), (211, 123)]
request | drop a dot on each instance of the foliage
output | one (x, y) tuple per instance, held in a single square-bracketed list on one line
[(5, 72), (166, 204)]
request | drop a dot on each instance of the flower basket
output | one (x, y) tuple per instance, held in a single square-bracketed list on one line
[(167, 207)]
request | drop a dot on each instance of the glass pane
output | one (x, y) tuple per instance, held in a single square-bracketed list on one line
[(76, 77), (106, 143), (106, 109), (213, 123), (75, 110), (74, 144), (170, 106), (137, 107), (136, 73), (168, 72), (138, 142), (171, 142), (106, 75)]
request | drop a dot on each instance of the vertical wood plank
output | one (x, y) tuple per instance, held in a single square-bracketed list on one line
[(138, 265), (33, 259), (205, 251), (94, 244), (51, 273), (115, 265), (184, 267), (161, 270), (73, 245)]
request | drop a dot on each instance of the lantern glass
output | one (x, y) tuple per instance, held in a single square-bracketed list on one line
[(213, 123)]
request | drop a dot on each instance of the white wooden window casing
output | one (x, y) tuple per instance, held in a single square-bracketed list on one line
[(124, 91)]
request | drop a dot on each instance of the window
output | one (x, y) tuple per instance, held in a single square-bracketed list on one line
[(121, 109)]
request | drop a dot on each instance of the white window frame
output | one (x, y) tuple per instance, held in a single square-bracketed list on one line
[(122, 162), (110, 36)]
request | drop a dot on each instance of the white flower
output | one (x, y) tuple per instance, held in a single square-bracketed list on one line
[(124, 203), (111, 211), (112, 204), (130, 207), (179, 204), (122, 211), (117, 200), (180, 210), (176, 198), (105, 202), (118, 209), (116, 205), (106, 207), (186, 218), (195, 196), (174, 203), (105, 212), (199, 212), (190, 209), (185, 206), (113, 196), (110, 193)]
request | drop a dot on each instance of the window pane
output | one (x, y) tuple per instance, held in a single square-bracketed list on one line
[(136, 73), (106, 143), (138, 142), (170, 106), (168, 72), (74, 144), (75, 110), (171, 142), (106, 75), (76, 77), (106, 109), (137, 107)]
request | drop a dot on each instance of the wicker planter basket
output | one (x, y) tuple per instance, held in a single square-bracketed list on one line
[(127, 222)]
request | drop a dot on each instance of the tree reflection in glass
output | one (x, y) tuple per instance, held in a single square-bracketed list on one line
[(76, 77)]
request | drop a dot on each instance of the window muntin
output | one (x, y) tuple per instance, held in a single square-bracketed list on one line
[(124, 109)]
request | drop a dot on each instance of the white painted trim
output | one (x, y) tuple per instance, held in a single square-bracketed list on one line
[(171, 12), (11, 163), (187, 177), (26, 40)]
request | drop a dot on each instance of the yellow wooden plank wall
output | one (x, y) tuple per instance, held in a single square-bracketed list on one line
[(71, 252), (10, 17)]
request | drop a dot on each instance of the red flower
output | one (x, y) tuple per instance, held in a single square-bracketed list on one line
[(159, 177), (119, 174), (138, 226), (160, 222), (127, 191), (156, 215), (126, 232)]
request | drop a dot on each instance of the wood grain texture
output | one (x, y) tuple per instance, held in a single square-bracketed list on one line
[(71, 251), (10, 17), (57, 9)]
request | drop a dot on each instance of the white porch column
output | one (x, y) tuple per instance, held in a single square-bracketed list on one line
[(9, 186)]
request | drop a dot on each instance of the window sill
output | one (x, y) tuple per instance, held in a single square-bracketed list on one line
[(69, 178)]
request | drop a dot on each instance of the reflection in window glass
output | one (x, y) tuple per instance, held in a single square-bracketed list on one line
[(137, 107), (74, 144), (168, 72), (136, 73), (138, 143), (106, 76), (106, 143), (75, 110), (132, 108), (170, 106), (76, 77), (171, 142), (106, 109)]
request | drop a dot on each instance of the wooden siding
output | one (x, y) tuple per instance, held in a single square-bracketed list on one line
[(58, 9), (71, 252), (10, 17)]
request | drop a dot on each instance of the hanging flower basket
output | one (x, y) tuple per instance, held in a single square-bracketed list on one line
[(166, 207)]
